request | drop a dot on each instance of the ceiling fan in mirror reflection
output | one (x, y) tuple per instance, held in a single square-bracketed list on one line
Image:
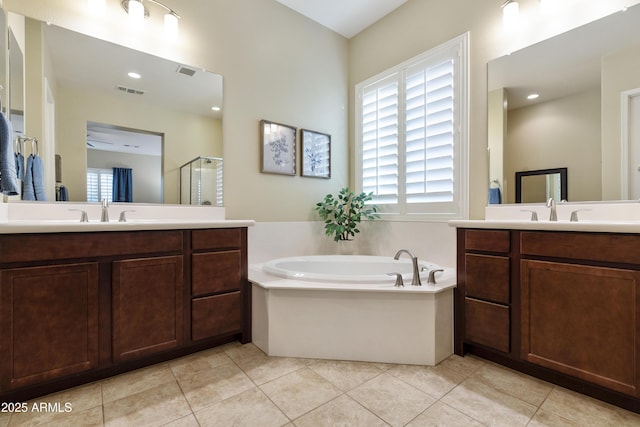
[(138, 12)]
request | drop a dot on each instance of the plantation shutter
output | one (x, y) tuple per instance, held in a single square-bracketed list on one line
[(429, 133), (380, 125)]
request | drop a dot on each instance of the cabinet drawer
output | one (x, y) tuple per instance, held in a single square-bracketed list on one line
[(487, 277), (487, 324), (216, 315), (487, 240), (215, 272), (618, 248), (219, 238)]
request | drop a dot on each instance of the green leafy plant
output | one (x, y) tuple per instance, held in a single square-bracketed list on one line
[(343, 213)]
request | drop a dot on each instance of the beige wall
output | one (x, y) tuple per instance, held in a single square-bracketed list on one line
[(186, 136), (561, 133)]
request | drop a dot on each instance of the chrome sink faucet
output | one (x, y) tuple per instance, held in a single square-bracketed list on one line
[(553, 216), (415, 280), (105, 211)]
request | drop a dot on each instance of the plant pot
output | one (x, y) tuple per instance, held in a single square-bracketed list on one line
[(346, 247)]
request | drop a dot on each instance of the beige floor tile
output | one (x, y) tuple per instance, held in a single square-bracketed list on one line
[(342, 411), (250, 408), (238, 352), (466, 365), (262, 369), (205, 388), (91, 417), (433, 380), (300, 392), (152, 407), (440, 414), (391, 399), (136, 381), (544, 418), (188, 421), (4, 418), (522, 386), (79, 399), (198, 362), (587, 411), (488, 405), (346, 375)]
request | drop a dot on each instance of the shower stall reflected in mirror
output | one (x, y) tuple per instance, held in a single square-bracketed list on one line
[(201, 182)]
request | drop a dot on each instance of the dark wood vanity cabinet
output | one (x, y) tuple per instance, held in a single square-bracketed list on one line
[(75, 307), (574, 313)]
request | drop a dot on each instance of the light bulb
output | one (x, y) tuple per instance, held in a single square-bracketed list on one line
[(170, 26), (510, 15), (136, 12)]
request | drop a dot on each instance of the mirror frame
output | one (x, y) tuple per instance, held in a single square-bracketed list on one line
[(563, 181)]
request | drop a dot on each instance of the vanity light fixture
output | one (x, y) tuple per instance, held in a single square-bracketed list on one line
[(215, 108), (138, 12), (510, 14), (134, 75)]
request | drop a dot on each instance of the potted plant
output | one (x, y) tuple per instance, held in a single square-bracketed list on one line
[(343, 213)]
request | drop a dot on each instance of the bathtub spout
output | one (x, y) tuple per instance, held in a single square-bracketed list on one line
[(415, 280)]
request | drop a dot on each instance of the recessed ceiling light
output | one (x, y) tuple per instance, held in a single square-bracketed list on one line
[(533, 96), (215, 108), (134, 75)]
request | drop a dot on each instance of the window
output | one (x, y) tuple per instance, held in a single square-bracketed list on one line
[(411, 135), (99, 184)]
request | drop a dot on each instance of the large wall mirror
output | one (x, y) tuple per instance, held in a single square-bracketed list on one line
[(98, 116), (577, 119)]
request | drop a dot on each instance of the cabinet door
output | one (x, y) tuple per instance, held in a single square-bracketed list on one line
[(582, 321), (48, 323), (147, 306)]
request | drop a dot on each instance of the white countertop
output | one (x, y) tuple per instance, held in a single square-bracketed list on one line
[(586, 226), (57, 226), (64, 217)]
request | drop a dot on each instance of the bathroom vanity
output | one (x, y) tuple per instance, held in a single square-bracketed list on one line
[(80, 306), (559, 301)]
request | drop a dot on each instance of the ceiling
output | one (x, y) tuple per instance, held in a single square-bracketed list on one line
[(345, 17)]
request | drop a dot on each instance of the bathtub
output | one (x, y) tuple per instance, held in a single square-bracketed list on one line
[(347, 308)]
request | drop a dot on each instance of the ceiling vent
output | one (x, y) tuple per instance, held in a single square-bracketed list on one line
[(186, 71), (129, 90)]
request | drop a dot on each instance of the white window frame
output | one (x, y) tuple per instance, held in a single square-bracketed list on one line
[(457, 49)]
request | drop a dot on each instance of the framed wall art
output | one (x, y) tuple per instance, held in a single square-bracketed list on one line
[(278, 146), (315, 153)]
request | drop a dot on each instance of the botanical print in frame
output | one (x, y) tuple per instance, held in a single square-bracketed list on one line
[(316, 154), (278, 144)]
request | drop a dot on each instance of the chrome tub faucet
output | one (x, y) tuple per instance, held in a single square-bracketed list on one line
[(415, 280)]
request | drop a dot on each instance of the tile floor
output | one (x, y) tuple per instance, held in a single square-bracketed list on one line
[(238, 385)]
